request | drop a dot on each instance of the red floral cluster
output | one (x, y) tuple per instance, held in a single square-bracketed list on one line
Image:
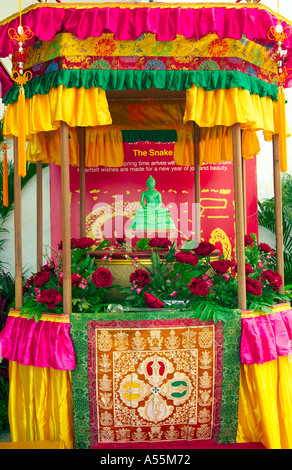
[(221, 266), (186, 257), (254, 287), (157, 242), (152, 301), (199, 287), (204, 249), (273, 278), (140, 278), (266, 249), (82, 243), (50, 297), (102, 277)]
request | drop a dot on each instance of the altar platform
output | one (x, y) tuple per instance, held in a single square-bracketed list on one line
[(160, 380)]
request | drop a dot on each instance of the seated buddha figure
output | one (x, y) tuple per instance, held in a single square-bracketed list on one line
[(151, 199), (152, 216)]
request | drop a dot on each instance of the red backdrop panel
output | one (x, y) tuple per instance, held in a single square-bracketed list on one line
[(113, 195)]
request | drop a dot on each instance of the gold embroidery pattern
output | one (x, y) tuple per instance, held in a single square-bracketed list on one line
[(155, 384)]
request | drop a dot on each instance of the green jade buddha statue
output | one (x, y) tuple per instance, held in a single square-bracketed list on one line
[(152, 196), (152, 217)]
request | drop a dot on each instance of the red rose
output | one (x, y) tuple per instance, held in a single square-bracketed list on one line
[(266, 248), (75, 279), (140, 278), (102, 277), (159, 242), (204, 249), (41, 278), (83, 243), (248, 240), (199, 287), (273, 278), (51, 297), (253, 287), (29, 282), (152, 302), (186, 257), (248, 268), (221, 266)]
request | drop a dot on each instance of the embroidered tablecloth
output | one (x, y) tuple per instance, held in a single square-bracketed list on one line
[(157, 377)]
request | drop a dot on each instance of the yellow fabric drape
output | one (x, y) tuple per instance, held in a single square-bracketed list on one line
[(75, 106), (5, 180), (265, 404), (214, 111), (282, 131), (104, 146), (40, 404), (225, 107)]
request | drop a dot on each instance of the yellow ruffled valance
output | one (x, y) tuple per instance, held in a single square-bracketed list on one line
[(75, 106), (226, 107), (214, 111), (105, 146)]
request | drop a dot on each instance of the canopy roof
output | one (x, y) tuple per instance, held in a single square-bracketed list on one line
[(213, 56)]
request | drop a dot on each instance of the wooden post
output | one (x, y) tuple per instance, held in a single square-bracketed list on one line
[(17, 228), (82, 186), (278, 209), (39, 190), (66, 219), (239, 216), (197, 183)]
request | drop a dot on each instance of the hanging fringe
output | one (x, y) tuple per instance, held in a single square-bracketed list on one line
[(21, 134), (5, 180), (282, 130)]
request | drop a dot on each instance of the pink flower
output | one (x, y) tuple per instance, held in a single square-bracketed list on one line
[(226, 276), (138, 290), (83, 284), (174, 293)]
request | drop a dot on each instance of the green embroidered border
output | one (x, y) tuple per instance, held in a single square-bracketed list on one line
[(230, 381), (180, 80)]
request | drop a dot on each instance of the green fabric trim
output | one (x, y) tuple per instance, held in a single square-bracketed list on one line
[(231, 369), (230, 379), (134, 136), (175, 80)]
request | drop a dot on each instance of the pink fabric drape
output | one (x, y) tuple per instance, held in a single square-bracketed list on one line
[(265, 338), (129, 23), (39, 344)]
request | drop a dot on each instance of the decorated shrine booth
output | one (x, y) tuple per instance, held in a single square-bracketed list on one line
[(114, 96)]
